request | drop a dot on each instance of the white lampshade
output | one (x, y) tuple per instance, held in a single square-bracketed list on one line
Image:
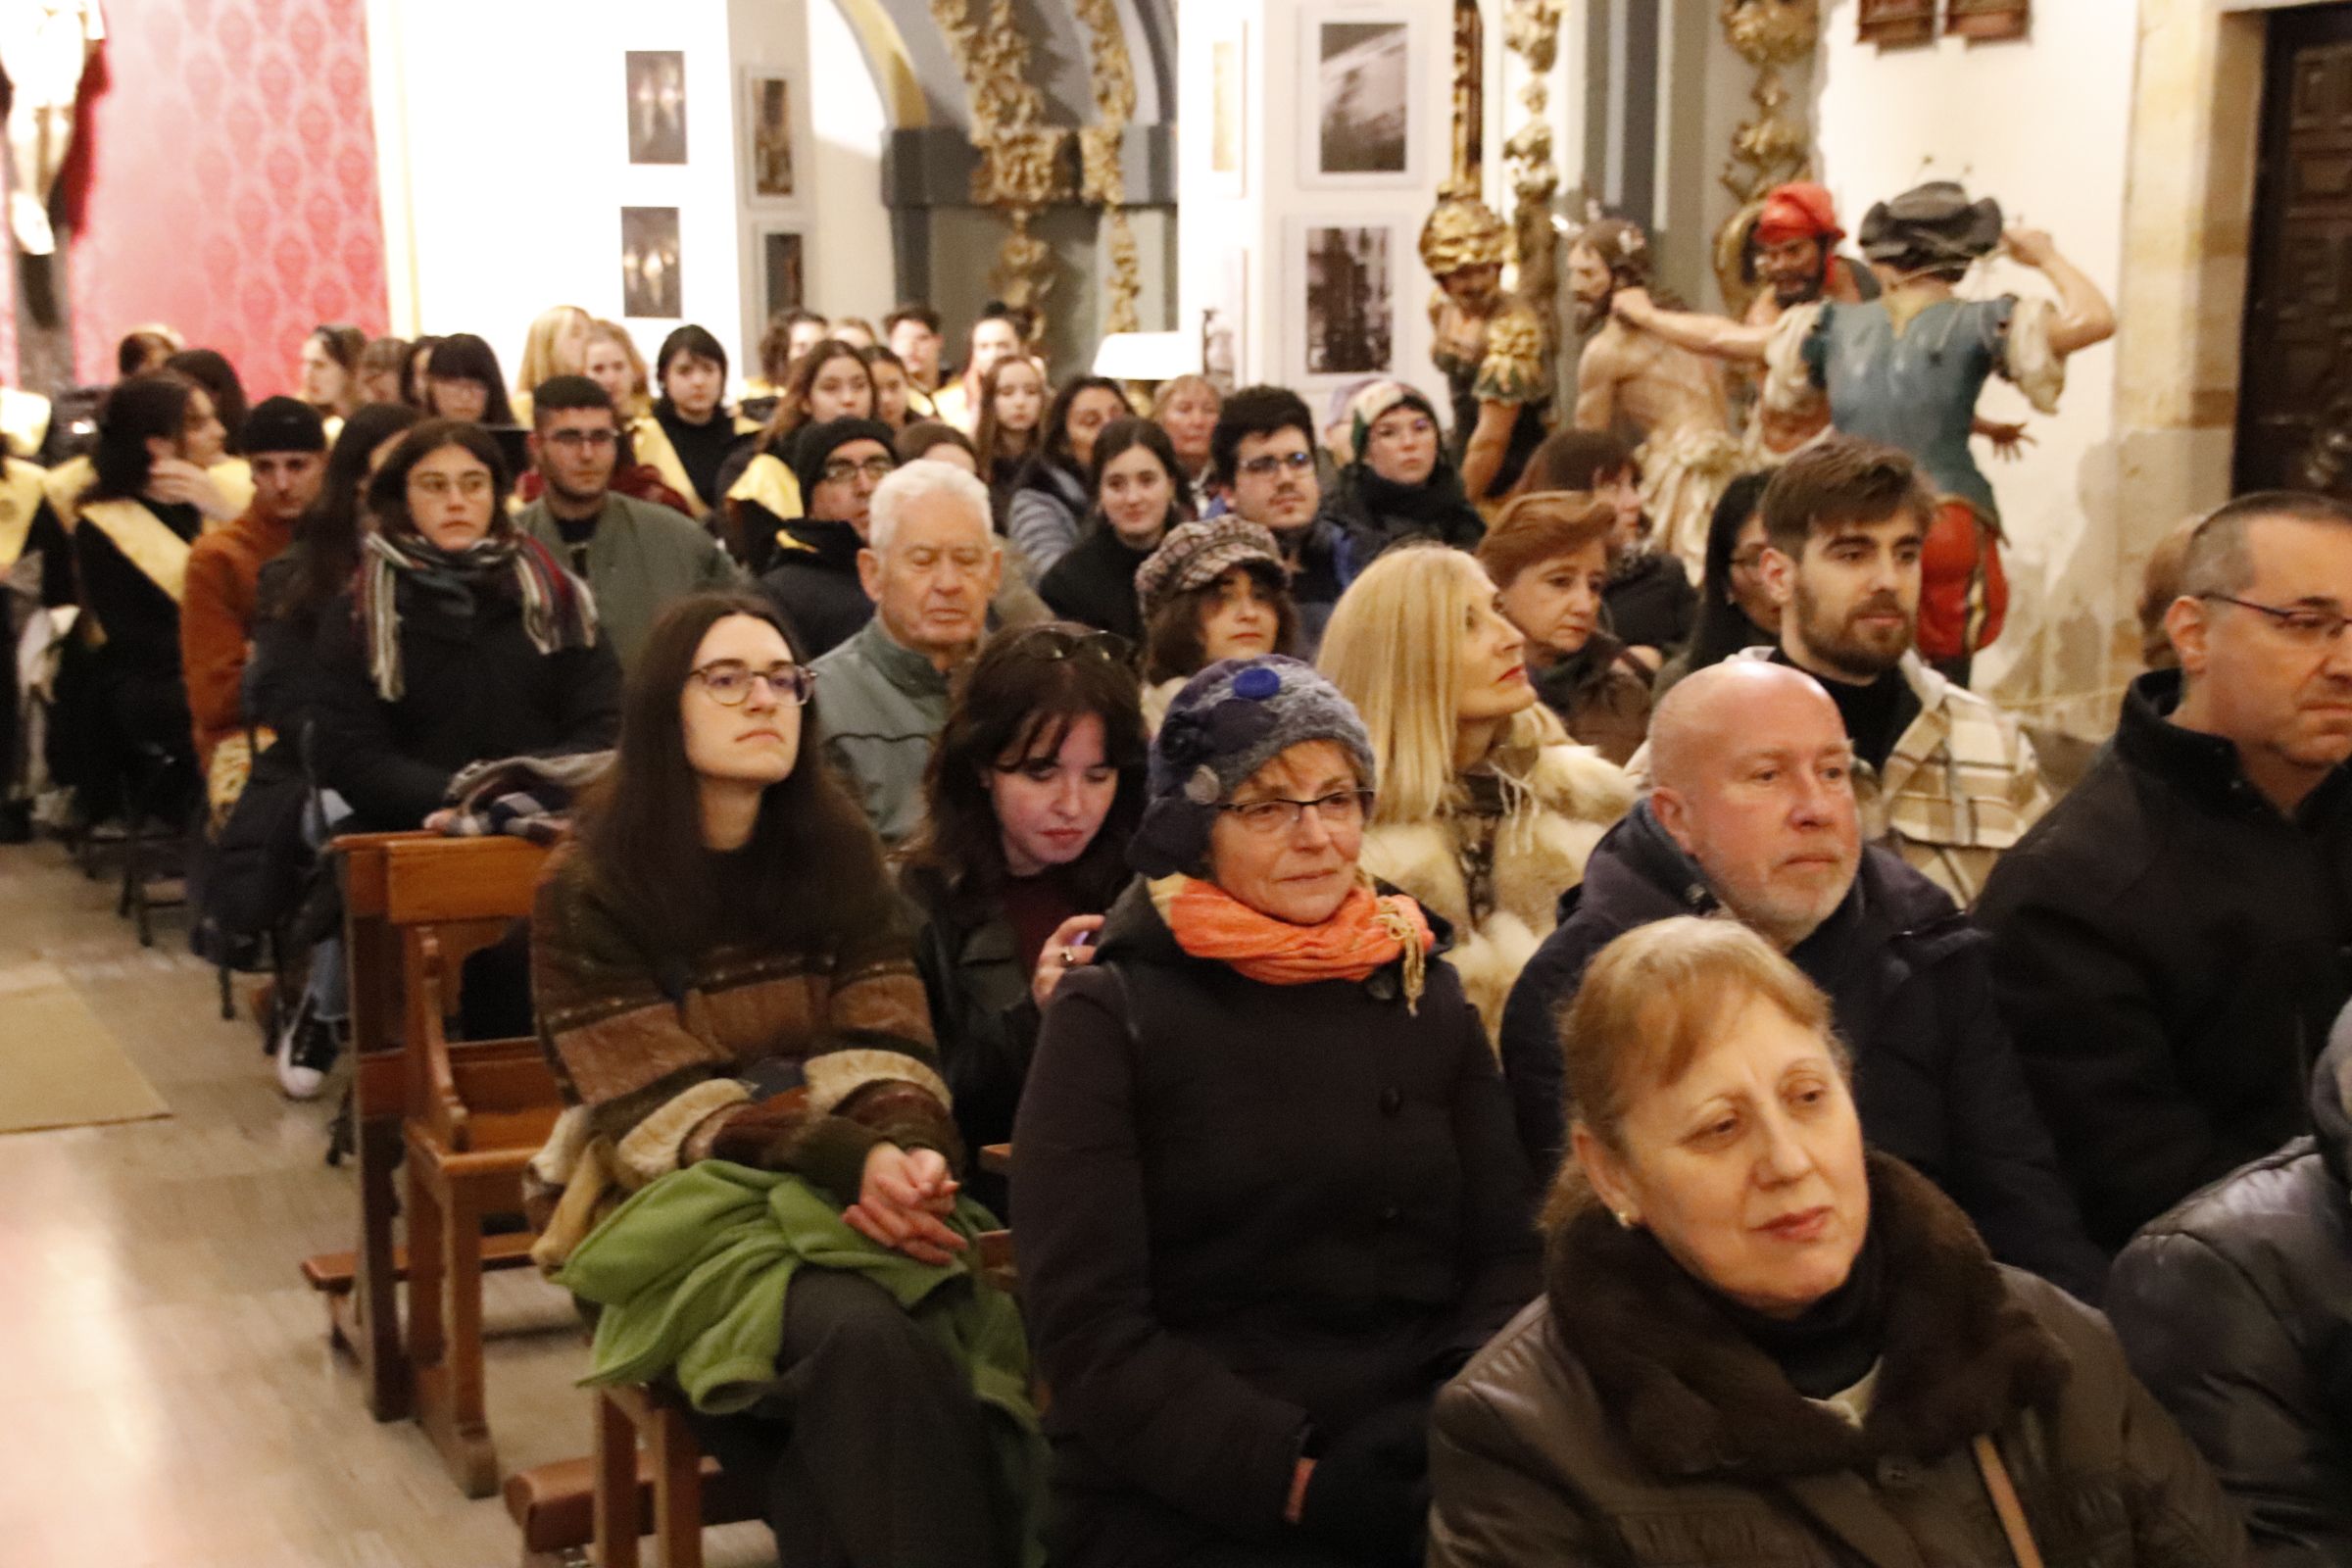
[(1148, 356)]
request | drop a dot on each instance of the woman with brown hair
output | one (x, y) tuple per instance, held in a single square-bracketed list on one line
[(1548, 555), (1652, 603), (1213, 590), (829, 382), (1760, 1343), (724, 989), (1012, 407), (1033, 790)]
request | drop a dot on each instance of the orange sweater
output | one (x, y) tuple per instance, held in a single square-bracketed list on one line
[(215, 621)]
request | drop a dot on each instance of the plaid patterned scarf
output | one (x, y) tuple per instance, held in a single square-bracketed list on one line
[(557, 608)]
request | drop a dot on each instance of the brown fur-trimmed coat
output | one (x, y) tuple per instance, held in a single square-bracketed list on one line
[(1565, 797), (1622, 1419)]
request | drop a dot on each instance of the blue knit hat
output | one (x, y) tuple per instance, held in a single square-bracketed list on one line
[(1229, 721)]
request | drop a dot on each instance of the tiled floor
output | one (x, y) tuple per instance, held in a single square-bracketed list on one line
[(167, 1393)]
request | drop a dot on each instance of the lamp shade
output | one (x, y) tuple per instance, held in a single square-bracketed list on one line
[(1148, 356)]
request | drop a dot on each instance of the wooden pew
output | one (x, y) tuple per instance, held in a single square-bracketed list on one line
[(469, 1114)]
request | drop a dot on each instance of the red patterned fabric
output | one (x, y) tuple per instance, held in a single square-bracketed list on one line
[(224, 181)]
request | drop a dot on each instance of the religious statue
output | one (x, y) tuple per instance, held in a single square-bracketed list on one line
[(44, 47), (1672, 398), (1490, 347), (1906, 369)]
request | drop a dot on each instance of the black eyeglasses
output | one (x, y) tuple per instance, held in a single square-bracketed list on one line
[(2305, 623), (1275, 462), (1051, 644), (729, 681), (841, 469), (1341, 808)]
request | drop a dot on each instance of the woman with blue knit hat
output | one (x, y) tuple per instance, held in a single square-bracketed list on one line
[(1267, 1188)]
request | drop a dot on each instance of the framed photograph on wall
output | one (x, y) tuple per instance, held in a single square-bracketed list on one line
[(783, 271), (1229, 112), (1346, 278), (768, 112), (656, 80), (651, 287), (1358, 69)]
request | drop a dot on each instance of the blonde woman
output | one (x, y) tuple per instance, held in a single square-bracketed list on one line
[(611, 359), (557, 345), (1487, 808)]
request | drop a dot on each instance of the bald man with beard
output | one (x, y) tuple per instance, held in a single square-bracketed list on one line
[(1751, 816)]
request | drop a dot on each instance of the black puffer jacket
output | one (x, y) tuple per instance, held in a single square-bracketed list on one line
[(1248, 1215), (1936, 1078), (2170, 952), (474, 687), (2237, 1312), (814, 584)]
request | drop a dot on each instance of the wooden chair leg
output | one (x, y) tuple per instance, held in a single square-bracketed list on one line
[(375, 1288), (615, 1505), (678, 1490), (445, 1323)]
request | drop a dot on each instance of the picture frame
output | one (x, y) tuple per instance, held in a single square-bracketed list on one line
[(652, 287), (770, 136), (1892, 24), (1987, 21), (1358, 95), (655, 105), (1229, 113), (1346, 278), (781, 255)]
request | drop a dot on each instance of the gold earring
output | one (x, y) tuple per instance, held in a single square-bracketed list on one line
[(1625, 1220)]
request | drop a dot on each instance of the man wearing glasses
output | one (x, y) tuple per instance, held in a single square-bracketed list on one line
[(635, 556), (2172, 944), (1263, 450)]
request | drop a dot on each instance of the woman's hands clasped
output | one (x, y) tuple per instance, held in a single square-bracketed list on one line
[(903, 1202)]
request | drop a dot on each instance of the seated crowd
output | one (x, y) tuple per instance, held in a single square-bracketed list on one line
[(1491, 1052)]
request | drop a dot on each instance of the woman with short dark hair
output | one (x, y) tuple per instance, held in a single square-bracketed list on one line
[(724, 988), (1735, 608), (463, 381), (1761, 1343), (690, 434), (1136, 493)]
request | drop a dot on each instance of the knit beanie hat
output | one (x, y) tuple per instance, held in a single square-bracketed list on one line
[(1229, 721), (283, 424), (1195, 555), (1376, 400), (817, 442)]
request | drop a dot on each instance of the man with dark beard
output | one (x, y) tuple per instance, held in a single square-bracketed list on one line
[(1943, 777), (635, 556), (1672, 397)]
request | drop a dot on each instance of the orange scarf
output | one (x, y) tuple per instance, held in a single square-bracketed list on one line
[(1365, 933)]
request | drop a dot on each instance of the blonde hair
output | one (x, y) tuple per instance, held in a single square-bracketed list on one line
[(1394, 648), (539, 346), (1655, 997), (641, 398), (1170, 390)]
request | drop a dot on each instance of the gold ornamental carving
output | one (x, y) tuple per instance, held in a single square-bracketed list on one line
[(1531, 30), (1101, 178), (1773, 147), (1021, 156)]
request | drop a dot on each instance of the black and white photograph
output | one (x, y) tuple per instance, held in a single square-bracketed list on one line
[(1362, 92), (783, 283), (772, 135), (1351, 299), (657, 106), (650, 284)]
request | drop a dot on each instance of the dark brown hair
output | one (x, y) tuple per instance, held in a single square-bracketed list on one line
[(1836, 482), (153, 405), (812, 866), (985, 434), (1541, 527), (1011, 703), (388, 491), (1575, 459), (1172, 645), (2219, 559), (926, 435), (791, 403)]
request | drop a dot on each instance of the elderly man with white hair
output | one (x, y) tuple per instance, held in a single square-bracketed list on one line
[(1751, 816), (931, 564)]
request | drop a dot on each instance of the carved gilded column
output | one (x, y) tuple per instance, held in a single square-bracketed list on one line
[(1021, 155), (1101, 176), (1775, 146), (1531, 30)]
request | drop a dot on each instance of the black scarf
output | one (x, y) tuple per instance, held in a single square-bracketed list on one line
[(1832, 1344), (1435, 509)]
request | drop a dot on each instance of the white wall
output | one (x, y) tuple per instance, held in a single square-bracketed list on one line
[(2045, 126), (851, 270)]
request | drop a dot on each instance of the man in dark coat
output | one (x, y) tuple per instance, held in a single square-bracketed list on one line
[(2169, 945), (2236, 1309), (1753, 815)]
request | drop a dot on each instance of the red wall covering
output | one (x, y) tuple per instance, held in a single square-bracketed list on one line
[(224, 181)]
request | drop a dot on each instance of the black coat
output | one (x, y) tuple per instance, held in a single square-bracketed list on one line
[(135, 672), (1245, 1210), (1935, 1080), (1650, 603), (2237, 1312), (1379, 514), (1093, 584), (815, 585), (473, 688), (2170, 952)]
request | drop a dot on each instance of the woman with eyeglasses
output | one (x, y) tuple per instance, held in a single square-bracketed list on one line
[(1050, 495), (461, 639), (829, 382), (1032, 792), (1488, 810), (1266, 1192), (1137, 494), (725, 989), (463, 381), (1735, 608)]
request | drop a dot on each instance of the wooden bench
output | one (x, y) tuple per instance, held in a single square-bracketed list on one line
[(469, 1115)]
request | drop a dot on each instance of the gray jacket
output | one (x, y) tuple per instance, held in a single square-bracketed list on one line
[(879, 707), (641, 557)]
